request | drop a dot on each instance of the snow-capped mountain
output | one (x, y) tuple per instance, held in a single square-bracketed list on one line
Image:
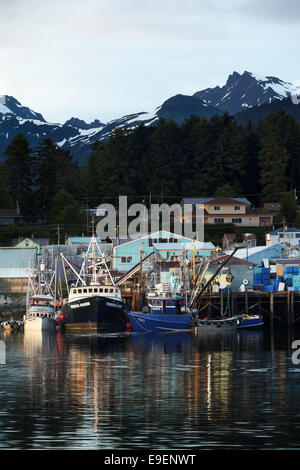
[(240, 95), (9, 106), (245, 91)]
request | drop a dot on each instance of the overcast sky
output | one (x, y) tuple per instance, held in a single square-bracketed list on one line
[(107, 58)]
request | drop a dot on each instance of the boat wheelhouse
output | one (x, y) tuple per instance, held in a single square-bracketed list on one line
[(41, 293), (163, 312)]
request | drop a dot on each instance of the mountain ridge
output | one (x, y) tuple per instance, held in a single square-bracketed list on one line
[(245, 96)]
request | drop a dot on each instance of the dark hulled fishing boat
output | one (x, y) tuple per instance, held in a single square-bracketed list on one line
[(94, 303)]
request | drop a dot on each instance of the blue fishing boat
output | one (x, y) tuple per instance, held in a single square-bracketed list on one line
[(249, 321), (164, 312)]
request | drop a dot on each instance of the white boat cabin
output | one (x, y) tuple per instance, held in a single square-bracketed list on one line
[(41, 306), (79, 292)]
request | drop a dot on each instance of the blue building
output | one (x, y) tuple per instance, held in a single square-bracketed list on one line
[(167, 244), (257, 254)]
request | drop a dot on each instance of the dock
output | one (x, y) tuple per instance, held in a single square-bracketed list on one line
[(277, 308)]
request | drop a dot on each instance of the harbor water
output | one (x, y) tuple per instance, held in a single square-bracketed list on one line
[(233, 390)]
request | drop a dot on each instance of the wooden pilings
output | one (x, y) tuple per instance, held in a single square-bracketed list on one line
[(246, 302), (277, 308), (272, 310)]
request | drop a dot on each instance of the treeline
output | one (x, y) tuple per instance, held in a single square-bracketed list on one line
[(44, 183), (162, 163)]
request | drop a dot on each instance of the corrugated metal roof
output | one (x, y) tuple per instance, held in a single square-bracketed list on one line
[(153, 235), (242, 253), (79, 240), (184, 246), (13, 273), (16, 257)]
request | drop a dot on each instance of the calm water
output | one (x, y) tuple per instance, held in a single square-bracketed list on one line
[(137, 391)]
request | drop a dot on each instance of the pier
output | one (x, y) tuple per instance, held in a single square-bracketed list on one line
[(277, 308)]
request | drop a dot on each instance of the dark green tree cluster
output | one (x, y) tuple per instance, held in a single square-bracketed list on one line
[(160, 163), (43, 182), (202, 157)]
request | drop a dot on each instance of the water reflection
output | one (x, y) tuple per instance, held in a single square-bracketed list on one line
[(154, 391)]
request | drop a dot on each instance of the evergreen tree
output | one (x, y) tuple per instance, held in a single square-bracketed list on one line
[(66, 212), (55, 171), (288, 208), (6, 201), (274, 157), (19, 174)]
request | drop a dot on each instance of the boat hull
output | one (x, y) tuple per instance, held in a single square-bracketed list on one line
[(40, 324), (160, 322), (95, 314), (249, 322), (217, 325)]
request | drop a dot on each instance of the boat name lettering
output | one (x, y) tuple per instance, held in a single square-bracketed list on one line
[(84, 304)]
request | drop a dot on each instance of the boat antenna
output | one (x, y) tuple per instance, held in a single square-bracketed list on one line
[(93, 227)]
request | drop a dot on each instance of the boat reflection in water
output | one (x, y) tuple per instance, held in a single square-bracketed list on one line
[(147, 390), (39, 343), (169, 342)]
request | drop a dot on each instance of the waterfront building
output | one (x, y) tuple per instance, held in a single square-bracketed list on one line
[(230, 210), (259, 253), (10, 216), (166, 244), (14, 268), (285, 235)]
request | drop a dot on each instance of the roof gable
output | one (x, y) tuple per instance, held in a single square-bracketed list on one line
[(154, 235), (203, 200)]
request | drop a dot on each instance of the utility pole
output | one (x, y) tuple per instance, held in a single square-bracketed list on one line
[(295, 194), (87, 216), (58, 235)]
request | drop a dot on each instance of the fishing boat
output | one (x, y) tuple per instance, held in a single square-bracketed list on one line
[(217, 324), (40, 304), (163, 312), (249, 321), (230, 323), (94, 302)]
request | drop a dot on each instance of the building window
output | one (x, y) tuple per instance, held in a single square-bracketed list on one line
[(236, 221), (237, 208), (218, 221), (126, 259), (217, 208)]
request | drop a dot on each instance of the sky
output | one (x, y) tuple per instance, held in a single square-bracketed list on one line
[(103, 59)]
